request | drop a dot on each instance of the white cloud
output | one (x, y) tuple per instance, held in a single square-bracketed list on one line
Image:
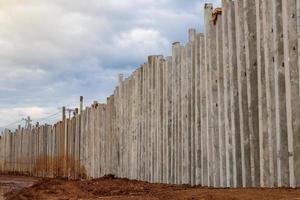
[(141, 41), (53, 51), (22, 72)]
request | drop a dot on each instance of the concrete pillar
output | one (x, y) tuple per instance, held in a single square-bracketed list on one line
[(184, 131), (160, 119), (81, 104), (89, 145), (151, 61), (152, 118), (133, 122), (143, 106), (122, 127), (138, 120), (145, 71), (242, 91), (164, 114), (106, 134), (280, 96), (220, 98), (234, 108), (83, 144), (117, 132), (127, 141), (97, 139), (208, 9), (270, 88), (63, 113), (138, 128), (178, 114), (214, 103), (155, 121), (251, 64), (290, 41), (262, 102), (82, 140), (126, 124), (190, 139), (192, 106), (203, 99), (169, 119), (92, 140), (186, 136), (175, 90), (112, 137), (147, 164), (102, 141), (198, 108), (226, 73), (133, 119), (157, 140)]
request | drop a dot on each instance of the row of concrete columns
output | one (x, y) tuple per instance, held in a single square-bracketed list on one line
[(222, 111)]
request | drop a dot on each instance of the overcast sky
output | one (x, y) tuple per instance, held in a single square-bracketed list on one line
[(53, 51)]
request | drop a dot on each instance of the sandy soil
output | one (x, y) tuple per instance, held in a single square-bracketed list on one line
[(109, 188)]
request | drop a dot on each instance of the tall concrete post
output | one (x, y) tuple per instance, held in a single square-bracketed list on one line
[(81, 104), (234, 99), (183, 118), (268, 34), (251, 64), (214, 100), (290, 41), (280, 97), (227, 113), (192, 106), (243, 98), (220, 98), (198, 109), (208, 9), (169, 118), (176, 49), (262, 103)]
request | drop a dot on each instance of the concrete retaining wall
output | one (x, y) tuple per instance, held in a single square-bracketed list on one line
[(222, 111)]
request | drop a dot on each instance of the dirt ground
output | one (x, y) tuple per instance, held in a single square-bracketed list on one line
[(110, 188), (14, 183)]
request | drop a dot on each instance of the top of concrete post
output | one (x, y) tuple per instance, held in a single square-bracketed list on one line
[(208, 6), (176, 44), (121, 77), (192, 34), (152, 58)]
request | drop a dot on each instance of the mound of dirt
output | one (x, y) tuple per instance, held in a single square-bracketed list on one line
[(111, 188)]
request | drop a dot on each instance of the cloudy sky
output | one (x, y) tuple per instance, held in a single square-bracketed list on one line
[(53, 51)]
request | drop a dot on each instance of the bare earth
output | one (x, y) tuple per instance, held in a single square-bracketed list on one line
[(109, 188), (14, 183)]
